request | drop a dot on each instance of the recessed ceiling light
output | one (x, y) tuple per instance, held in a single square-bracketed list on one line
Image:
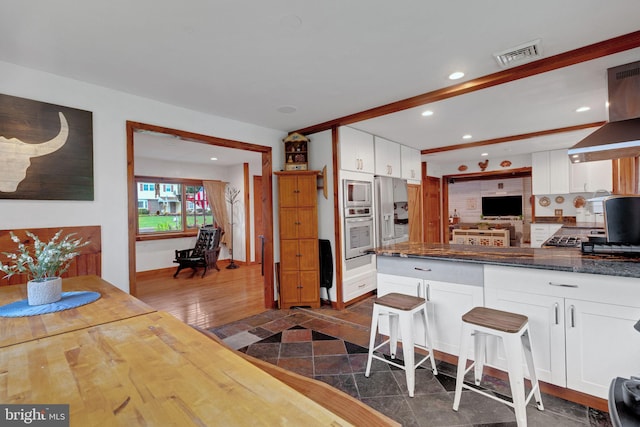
[(427, 113), (575, 156), (287, 109), (467, 136), (583, 109), (457, 75), (484, 154), (214, 158)]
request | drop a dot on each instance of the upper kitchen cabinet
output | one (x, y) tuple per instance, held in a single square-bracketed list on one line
[(356, 150), (592, 176), (387, 155), (411, 165), (550, 172)]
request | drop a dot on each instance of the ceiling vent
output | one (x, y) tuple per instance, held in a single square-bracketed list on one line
[(520, 54)]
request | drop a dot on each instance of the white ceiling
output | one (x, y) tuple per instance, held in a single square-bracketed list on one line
[(245, 60)]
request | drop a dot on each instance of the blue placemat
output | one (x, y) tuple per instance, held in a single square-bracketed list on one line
[(68, 300)]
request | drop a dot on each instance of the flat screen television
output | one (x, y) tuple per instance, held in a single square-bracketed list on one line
[(502, 206)]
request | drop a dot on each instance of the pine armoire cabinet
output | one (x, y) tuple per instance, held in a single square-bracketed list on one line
[(299, 253)]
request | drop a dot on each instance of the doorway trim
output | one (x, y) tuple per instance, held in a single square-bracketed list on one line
[(267, 200), (475, 176)]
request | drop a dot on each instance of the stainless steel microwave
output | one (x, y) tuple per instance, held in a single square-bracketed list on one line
[(357, 193)]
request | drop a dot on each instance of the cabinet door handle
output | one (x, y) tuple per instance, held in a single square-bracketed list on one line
[(572, 316), (421, 269), (564, 285), (555, 310), (428, 293)]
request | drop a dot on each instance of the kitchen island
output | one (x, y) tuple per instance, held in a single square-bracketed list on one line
[(581, 308)]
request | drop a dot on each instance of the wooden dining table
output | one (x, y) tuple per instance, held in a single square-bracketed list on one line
[(116, 361), (113, 304)]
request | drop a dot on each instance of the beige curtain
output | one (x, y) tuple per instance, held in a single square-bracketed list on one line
[(216, 195)]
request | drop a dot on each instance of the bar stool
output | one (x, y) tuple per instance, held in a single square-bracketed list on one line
[(513, 330), (401, 308)]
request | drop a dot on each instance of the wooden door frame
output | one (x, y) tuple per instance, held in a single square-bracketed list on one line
[(267, 196), (476, 176)]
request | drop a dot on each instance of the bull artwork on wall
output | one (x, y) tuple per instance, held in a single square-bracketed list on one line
[(46, 151)]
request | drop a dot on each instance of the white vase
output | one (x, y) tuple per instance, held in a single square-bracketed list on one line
[(44, 291)]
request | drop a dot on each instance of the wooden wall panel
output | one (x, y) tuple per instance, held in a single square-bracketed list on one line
[(87, 263)]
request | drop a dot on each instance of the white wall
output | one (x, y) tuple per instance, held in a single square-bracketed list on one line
[(111, 109), (321, 155), (441, 169)]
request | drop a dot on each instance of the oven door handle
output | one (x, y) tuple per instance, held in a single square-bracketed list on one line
[(360, 219)]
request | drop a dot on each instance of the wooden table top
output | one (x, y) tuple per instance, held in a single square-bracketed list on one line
[(113, 304), (153, 370)]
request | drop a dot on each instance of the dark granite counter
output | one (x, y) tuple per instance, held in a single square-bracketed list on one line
[(544, 258)]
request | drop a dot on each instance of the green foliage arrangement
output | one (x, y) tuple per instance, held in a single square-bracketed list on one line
[(49, 259)]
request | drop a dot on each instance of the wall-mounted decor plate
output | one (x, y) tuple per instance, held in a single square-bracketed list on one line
[(545, 201), (559, 199), (579, 202)]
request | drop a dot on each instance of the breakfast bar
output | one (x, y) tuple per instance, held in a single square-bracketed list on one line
[(581, 307)]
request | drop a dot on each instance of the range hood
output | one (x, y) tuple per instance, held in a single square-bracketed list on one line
[(620, 137)]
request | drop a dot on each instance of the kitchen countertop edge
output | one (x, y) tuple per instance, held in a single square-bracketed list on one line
[(570, 260)]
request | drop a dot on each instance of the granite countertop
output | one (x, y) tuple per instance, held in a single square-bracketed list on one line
[(544, 258)]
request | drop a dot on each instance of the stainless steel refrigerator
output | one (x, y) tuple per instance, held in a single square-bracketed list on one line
[(392, 210)]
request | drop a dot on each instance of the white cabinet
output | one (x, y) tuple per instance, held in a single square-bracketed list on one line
[(358, 284), (581, 324), (601, 344), (592, 176), (541, 232), (550, 172), (356, 150), (411, 164), (546, 325), (446, 303), (387, 157)]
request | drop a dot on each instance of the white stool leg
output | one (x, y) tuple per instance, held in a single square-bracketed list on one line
[(526, 344), (406, 328), (465, 341), (393, 334), (479, 347), (513, 350), (428, 341), (372, 338)]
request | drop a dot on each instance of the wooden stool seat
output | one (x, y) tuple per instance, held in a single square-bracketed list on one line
[(399, 301), (495, 319)]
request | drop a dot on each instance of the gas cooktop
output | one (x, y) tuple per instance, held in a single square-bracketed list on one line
[(573, 237), (562, 241)]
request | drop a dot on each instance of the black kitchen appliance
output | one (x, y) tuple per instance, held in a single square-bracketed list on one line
[(622, 228), (622, 219)]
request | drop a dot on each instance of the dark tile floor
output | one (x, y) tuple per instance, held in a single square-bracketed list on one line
[(331, 346)]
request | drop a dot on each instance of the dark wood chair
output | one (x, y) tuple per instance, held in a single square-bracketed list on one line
[(204, 254)]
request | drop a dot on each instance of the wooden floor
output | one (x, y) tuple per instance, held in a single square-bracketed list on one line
[(219, 298)]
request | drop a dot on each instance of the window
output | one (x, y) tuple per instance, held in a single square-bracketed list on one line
[(160, 206)]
